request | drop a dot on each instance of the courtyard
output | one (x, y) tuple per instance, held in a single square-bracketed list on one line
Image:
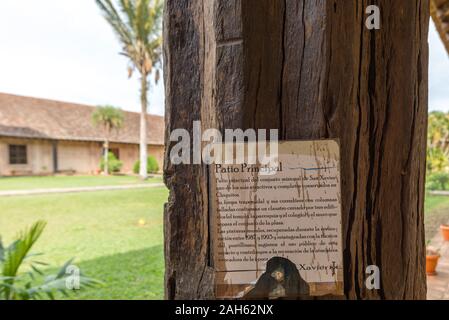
[(114, 236)]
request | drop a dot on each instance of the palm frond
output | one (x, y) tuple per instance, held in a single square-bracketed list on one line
[(124, 33), (138, 24), (2, 251), (17, 253), (128, 9), (63, 270), (21, 286), (108, 116)]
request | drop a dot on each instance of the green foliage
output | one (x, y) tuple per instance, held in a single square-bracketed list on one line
[(438, 130), (23, 286), (152, 166), (138, 26), (108, 244), (437, 181), (437, 160), (109, 117), (114, 164), (438, 151)]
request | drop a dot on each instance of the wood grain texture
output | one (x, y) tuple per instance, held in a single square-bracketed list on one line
[(311, 69)]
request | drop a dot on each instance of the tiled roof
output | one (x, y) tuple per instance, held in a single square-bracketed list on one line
[(46, 119), (439, 10)]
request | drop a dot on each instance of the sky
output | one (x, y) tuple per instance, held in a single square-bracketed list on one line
[(438, 73), (65, 50)]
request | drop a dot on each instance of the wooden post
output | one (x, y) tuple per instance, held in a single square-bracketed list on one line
[(312, 70)]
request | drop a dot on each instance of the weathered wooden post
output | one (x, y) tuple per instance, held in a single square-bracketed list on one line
[(312, 70)]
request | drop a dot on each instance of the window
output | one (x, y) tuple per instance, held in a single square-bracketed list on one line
[(17, 154)]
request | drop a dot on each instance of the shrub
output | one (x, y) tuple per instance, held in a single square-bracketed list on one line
[(152, 166), (437, 181), (25, 285), (114, 164), (437, 160)]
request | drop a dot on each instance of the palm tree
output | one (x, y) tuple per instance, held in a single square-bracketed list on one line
[(109, 118), (138, 26)]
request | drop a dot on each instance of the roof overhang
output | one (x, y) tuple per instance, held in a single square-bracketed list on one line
[(439, 9), (85, 140)]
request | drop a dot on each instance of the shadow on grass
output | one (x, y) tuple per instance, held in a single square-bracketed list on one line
[(134, 275)]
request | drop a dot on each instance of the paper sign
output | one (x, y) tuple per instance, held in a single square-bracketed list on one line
[(276, 230)]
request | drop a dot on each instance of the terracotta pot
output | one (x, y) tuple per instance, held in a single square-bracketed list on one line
[(445, 231), (431, 264)]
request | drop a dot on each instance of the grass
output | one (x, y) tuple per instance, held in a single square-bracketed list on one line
[(29, 183), (101, 230), (436, 212)]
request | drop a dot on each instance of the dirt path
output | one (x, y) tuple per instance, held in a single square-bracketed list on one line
[(14, 193)]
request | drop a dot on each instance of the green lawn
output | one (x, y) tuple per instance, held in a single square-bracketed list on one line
[(436, 212), (101, 230), (28, 183)]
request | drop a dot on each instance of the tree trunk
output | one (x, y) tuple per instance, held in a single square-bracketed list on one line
[(143, 128), (312, 70)]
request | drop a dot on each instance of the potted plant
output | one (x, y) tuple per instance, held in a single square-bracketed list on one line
[(432, 257), (445, 231)]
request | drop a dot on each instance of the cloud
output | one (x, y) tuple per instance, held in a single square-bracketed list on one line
[(65, 50)]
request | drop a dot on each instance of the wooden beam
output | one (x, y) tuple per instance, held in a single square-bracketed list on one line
[(440, 16), (312, 70)]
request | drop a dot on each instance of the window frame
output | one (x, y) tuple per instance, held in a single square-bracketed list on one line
[(18, 154)]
